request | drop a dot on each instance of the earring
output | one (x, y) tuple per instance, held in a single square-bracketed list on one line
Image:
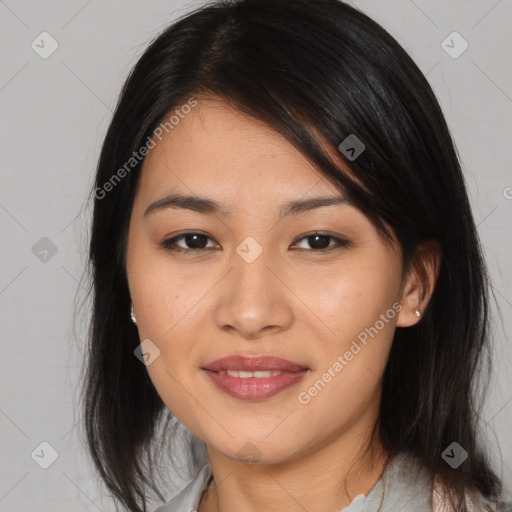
[(417, 312), (134, 320)]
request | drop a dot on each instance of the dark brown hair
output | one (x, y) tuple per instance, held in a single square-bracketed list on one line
[(306, 68)]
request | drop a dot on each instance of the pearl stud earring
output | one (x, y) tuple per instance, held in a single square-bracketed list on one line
[(134, 320)]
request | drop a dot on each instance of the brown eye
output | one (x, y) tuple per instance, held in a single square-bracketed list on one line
[(321, 241), (197, 242), (193, 242)]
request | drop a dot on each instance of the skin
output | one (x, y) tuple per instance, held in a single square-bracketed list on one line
[(294, 302)]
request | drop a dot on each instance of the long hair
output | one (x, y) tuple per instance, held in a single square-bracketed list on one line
[(314, 70)]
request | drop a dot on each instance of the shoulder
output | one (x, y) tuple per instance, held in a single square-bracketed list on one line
[(474, 501), (188, 498)]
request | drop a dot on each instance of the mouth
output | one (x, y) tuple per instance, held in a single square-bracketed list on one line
[(254, 364), (254, 378), (260, 374)]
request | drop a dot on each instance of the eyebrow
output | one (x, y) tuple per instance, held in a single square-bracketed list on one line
[(210, 207)]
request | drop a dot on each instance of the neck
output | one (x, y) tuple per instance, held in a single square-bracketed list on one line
[(325, 478)]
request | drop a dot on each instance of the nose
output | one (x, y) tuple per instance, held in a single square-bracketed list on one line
[(253, 299)]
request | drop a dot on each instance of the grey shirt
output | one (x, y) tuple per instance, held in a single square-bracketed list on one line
[(404, 486)]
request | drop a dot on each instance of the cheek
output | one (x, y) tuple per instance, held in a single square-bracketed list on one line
[(165, 295), (351, 296), (166, 302), (346, 386), (356, 313)]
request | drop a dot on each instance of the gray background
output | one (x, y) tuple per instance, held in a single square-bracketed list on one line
[(53, 115)]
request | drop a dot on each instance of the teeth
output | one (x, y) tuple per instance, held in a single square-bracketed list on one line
[(246, 375)]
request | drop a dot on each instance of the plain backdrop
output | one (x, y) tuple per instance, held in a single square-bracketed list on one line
[(54, 112)]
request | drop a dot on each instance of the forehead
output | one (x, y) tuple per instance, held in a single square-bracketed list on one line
[(216, 148)]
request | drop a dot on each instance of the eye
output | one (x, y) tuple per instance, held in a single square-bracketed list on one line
[(319, 242), (197, 242)]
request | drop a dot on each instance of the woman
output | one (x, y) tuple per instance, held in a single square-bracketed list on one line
[(320, 376)]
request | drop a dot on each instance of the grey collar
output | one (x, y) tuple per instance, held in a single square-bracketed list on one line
[(404, 486)]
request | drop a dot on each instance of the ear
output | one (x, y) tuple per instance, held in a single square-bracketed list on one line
[(420, 279)]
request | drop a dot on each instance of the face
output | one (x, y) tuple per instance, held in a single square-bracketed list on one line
[(315, 286)]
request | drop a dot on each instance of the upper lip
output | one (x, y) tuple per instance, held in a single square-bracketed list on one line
[(254, 363)]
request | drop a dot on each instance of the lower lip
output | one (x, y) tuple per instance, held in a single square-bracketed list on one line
[(255, 388)]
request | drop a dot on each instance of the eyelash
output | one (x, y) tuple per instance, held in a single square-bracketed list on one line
[(168, 244)]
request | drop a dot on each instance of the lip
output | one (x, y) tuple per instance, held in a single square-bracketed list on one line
[(254, 388), (254, 363)]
